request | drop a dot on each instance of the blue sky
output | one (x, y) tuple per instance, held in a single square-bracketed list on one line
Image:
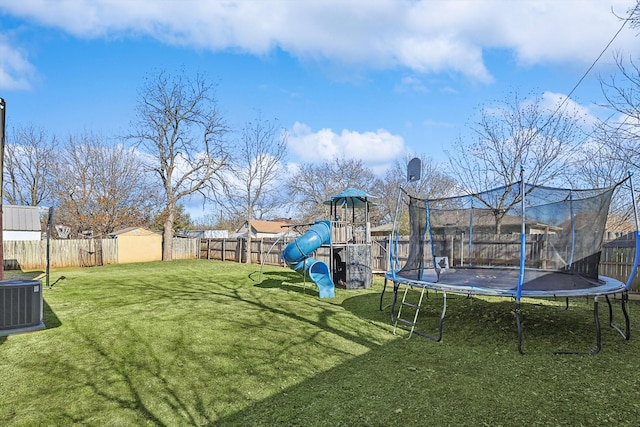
[(373, 80)]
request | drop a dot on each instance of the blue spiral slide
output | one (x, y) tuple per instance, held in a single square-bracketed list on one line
[(297, 257)]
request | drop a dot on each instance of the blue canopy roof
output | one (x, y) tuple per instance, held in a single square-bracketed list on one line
[(351, 197)]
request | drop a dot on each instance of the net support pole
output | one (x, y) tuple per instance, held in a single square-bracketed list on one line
[(636, 259), (49, 228), (393, 260), (522, 253), (573, 230), (522, 237), (428, 229), (470, 234)]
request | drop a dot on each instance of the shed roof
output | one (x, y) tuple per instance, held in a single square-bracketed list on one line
[(21, 218), (133, 231)]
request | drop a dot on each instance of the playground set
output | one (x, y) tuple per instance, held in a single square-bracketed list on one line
[(348, 237)]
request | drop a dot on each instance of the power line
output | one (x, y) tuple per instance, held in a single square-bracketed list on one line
[(631, 17), (593, 64)]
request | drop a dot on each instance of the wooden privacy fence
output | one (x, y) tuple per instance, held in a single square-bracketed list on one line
[(185, 248), (32, 254), (616, 259), (268, 250)]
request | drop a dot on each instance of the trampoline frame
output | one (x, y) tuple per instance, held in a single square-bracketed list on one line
[(475, 291), (606, 287)]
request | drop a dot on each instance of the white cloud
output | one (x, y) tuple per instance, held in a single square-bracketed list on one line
[(15, 69), (435, 53), (566, 31), (376, 149), (411, 84), (422, 36), (552, 101)]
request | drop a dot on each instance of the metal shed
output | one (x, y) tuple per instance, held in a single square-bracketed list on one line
[(21, 223)]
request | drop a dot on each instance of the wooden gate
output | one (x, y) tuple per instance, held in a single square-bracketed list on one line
[(90, 253)]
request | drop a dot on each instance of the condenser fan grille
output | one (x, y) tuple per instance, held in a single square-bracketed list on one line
[(20, 306)]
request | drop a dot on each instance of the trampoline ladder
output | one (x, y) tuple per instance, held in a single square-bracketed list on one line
[(416, 311)]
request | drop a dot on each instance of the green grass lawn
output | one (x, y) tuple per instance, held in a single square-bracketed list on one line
[(203, 343)]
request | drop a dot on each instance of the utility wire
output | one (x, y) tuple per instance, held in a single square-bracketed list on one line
[(624, 22), (593, 64)]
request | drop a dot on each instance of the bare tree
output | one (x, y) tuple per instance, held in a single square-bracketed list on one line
[(101, 188), (598, 164), (614, 146), (513, 135), (30, 166), (218, 218), (622, 129), (181, 222), (633, 14), (179, 127), (254, 188), (311, 185), (616, 140)]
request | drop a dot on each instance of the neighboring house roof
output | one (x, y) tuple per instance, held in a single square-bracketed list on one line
[(481, 218), (206, 234), (620, 224), (21, 218), (269, 226), (133, 231), (261, 226)]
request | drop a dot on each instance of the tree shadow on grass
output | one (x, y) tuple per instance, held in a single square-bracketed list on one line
[(466, 380), (234, 373), (145, 377), (134, 379), (287, 280), (547, 324)]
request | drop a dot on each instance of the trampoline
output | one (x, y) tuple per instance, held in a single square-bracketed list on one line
[(516, 241)]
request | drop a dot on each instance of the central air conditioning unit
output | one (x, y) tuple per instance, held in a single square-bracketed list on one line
[(20, 306)]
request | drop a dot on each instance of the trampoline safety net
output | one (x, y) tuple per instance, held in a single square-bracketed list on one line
[(563, 230)]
